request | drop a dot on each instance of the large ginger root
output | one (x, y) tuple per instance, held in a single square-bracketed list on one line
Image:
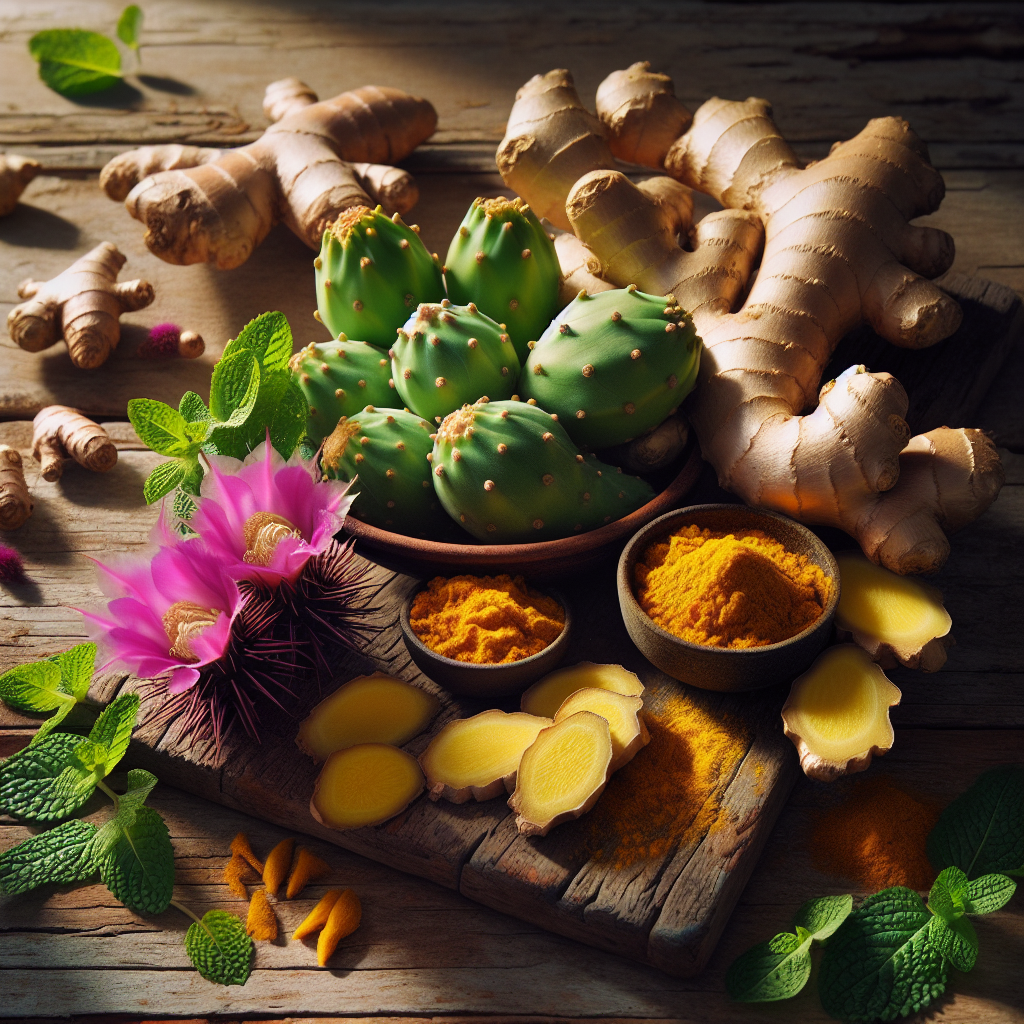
[(316, 160), (15, 503), (60, 434), (15, 174), (82, 305)]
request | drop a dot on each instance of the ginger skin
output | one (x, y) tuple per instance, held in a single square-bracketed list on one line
[(82, 305), (15, 174), (60, 434), (15, 503), (315, 161)]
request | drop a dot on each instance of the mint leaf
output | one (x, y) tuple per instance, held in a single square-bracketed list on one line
[(268, 338), (113, 729), (59, 856), (129, 25), (46, 781), (234, 387), (159, 426), (880, 965), (821, 917), (982, 830), (184, 507), (74, 62), (35, 688), (219, 948), (988, 893), (289, 423), (776, 969), (948, 894), (76, 669), (193, 408), (136, 860), (140, 785), (956, 940), (163, 479)]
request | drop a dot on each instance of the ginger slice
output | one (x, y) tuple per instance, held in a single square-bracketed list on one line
[(241, 847), (621, 712), (261, 922), (837, 713), (237, 872), (897, 620), (562, 773), (308, 868), (477, 758), (368, 709), (342, 921), (365, 785), (317, 917), (278, 864), (547, 695)]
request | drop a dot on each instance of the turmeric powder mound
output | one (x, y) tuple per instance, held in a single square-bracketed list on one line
[(742, 589), (486, 620), (876, 837)]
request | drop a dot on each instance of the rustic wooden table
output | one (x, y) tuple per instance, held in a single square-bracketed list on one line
[(953, 69)]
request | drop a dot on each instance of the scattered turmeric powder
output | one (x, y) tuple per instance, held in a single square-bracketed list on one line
[(261, 922), (308, 868), (741, 589), (279, 860), (240, 847), (486, 620), (237, 872)]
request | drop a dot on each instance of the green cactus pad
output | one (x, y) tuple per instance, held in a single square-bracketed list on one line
[(509, 473), (502, 259), (447, 356), (613, 365), (339, 378), (371, 273), (389, 451)]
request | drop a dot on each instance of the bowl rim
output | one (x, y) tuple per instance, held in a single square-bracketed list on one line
[(410, 636), (625, 585)]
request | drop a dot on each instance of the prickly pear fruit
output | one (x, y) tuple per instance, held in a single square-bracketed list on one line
[(502, 259), (338, 379), (389, 451), (509, 473), (613, 365), (448, 355), (371, 273)]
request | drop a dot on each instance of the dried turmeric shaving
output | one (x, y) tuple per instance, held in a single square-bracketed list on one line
[(741, 589), (279, 860), (261, 923), (486, 620), (236, 873), (308, 868), (343, 920), (317, 917), (240, 847)]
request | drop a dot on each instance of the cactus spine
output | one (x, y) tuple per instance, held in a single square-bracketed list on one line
[(502, 259), (613, 365), (448, 355), (509, 473), (372, 271)]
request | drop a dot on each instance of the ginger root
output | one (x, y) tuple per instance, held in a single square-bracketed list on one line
[(15, 503), (562, 773), (261, 921), (82, 305), (365, 785), (477, 758), (278, 865), (837, 713), (15, 174), (369, 709), (315, 161), (622, 713), (342, 921), (898, 621), (547, 695), (61, 434)]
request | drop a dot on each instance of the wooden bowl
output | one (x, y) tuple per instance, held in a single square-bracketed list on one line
[(544, 560), (486, 681), (721, 668)]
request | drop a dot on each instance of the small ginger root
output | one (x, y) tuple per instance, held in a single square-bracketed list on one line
[(343, 920), (547, 695), (837, 713), (477, 758), (60, 434), (621, 712), (261, 922), (369, 709), (898, 621), (279, 862), (15, 174), (308, 868), (563, 773), (82, 305), (317, 917), (240, 847), (15, 503), (365, 785), (237, 872)]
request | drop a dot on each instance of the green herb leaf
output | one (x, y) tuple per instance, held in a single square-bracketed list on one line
[(233, 388), (193, 408), (140, 785), (129, 25), (74, 62), (76, 669), (982, 831), (159, 426), (59, 856), (113, 729), (949, 891), (184, 507), (136, 859), (289, 422), (956, 940), (821, 917), (219, 948), (772, 970), (268, 338), (988, 893), (880, 965), (47, 781), (163, 479), (36, 687)]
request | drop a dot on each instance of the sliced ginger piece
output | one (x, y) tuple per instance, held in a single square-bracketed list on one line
[(562, 773), (837, 713), (261, 922), (237, 872), (547, 695), (317, 917), (342, 921), (240, 847), (477, 758), (365, 785), (896, 619), (621, 712), (368, 709), (279, 862), (308, 868)]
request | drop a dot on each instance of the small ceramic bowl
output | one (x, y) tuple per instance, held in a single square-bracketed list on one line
[(723, 668), (486, 681)]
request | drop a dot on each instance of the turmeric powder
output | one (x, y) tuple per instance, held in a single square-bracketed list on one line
[(485, 620), (741, 589)]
